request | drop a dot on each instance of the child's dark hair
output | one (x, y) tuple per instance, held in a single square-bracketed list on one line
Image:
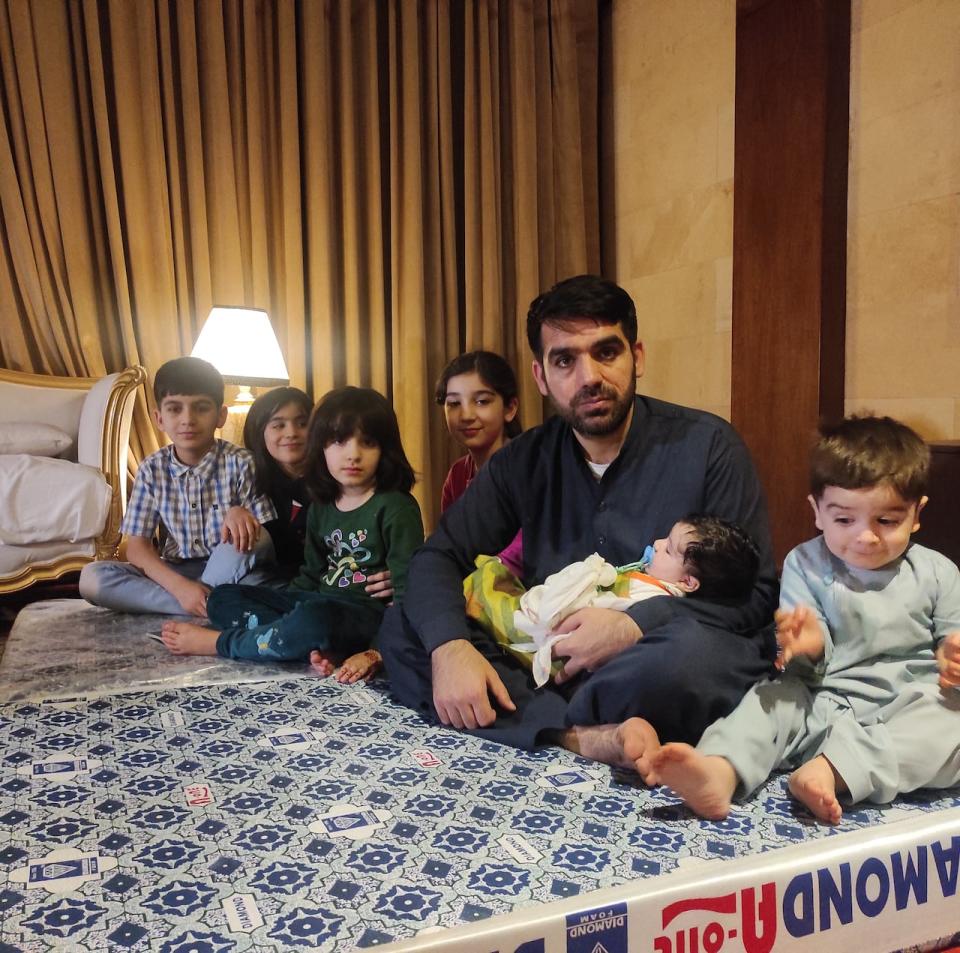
[(722, 557), (493, 370), (583, 296), (338, 416), (188, 376), (862, 451), (268, 475)]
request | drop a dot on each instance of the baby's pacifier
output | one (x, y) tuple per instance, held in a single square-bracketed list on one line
[(647, 558)]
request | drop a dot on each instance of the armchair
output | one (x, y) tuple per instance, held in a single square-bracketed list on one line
[(96, 414)]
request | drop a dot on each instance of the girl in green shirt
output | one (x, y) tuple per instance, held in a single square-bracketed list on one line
[(363, 520)]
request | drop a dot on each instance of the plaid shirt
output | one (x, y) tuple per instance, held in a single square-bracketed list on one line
[(192, 501)]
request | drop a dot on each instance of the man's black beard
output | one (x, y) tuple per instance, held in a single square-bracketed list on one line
[(597, 426)]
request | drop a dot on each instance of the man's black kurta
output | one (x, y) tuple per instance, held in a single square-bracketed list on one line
[(695, 659)]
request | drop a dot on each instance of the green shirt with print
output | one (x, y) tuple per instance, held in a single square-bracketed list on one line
[(343, 550)]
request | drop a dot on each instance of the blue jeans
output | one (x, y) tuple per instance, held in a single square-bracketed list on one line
[(125, 588), (259, 622)]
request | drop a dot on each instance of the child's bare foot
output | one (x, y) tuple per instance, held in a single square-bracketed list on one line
[(705, 782), (815, 785), (623, 746), (363, 665), (322, 663), (186, 638)]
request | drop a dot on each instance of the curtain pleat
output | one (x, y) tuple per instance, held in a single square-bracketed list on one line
[(393, 182)]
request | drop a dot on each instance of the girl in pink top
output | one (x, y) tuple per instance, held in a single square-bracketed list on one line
[(478, 393)]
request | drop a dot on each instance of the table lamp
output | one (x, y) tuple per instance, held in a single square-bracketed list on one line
[(241, 344)]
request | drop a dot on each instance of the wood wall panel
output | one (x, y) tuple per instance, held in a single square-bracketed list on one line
[(940, 521), (789, 237)]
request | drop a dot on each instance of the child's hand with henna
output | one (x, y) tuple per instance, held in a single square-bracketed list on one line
[(798, 633), (948, 661), (362, 666)]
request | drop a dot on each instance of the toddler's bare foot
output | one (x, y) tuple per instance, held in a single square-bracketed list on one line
[(321, 663), (705, 782), (363, 665), (186, 638), (814, 785)]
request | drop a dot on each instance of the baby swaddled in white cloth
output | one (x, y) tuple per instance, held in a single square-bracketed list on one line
[(702, 555), (589, 582)]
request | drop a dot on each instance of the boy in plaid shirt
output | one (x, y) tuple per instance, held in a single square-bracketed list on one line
[(202, 489)]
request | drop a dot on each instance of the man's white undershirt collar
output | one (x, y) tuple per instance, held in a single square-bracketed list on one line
[(598, 469)]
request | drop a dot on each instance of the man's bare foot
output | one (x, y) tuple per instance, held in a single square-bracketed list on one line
[(705, 782), (322, 663), (815, 785), (640, 742), (623, 746), (186, 638)]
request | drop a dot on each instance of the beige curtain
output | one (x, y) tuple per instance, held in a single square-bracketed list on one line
[(392, 182)]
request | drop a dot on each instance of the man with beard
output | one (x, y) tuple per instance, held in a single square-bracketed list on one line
[(611, 472)]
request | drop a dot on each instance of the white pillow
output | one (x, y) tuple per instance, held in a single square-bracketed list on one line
[(46, 500), (39, 440)]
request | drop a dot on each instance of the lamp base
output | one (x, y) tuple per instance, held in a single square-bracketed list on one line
[(232, 430)]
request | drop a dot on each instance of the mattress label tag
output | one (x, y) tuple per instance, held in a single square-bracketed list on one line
[(568, 779), (425, 758), (198, 794), (604, 928), (292, 739), (351, 821), (520, 848), (242, 913), (63, 870), (59, 768), (172, 718)]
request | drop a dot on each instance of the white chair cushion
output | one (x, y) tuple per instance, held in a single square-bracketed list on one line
[(38, 439), (14, 558), (45, 500), (90, 426)]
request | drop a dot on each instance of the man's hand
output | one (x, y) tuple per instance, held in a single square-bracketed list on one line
[(192, 596), (798, 633), (380, 586), (596, 636), (241, 528), (948, 661), (463, 681)]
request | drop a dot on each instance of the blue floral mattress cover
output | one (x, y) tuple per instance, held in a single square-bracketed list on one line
[(294, 813), (298, 814)]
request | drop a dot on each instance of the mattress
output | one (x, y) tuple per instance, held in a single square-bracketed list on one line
[(231, 807)]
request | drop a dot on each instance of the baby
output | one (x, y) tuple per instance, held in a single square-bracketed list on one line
[(869, 633), (702, 556)]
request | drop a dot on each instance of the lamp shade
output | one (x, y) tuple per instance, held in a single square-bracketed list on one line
[(241, 344)]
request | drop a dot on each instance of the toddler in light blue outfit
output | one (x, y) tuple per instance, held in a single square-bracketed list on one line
[(868, 706)]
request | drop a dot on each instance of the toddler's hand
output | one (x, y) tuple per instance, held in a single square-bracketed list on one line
[(363, 665), (948, 661), (798, 633)]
